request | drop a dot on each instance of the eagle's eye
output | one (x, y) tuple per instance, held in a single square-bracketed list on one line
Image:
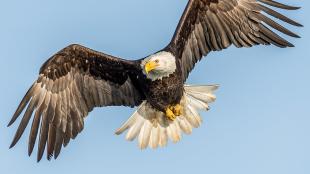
[(156, 61)]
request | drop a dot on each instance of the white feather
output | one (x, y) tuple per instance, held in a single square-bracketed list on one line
[(205, 97), (134, 131), (201, 88), (153, 128), (173, 132), (185, 125), (144, 135), (198, 104), (127, 124), (154, 137), (189, 115), (163, 137), (178, 130)]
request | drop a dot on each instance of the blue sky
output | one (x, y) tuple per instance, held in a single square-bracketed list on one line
[(259, 123)]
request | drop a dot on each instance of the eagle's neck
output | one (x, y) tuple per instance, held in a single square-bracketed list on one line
[(167, 65)]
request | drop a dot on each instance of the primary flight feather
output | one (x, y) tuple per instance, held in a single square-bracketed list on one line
[(77, 79)]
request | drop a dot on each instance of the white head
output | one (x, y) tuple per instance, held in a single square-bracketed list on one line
[(158, 65)]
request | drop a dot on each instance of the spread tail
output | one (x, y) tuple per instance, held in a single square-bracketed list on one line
[(153, 129)]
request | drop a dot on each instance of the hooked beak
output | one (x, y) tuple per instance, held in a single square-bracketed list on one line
[(149, 66)]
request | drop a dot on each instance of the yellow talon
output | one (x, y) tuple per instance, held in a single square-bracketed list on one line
[(177, 110), (173, 111), (170, 114)]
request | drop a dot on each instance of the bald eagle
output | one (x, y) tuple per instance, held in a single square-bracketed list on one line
[(77, 79)]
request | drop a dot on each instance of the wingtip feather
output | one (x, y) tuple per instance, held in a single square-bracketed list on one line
[(279, 5)]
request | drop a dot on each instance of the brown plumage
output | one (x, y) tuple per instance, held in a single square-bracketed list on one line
[(213, 25), (77, 79), (70, 85)]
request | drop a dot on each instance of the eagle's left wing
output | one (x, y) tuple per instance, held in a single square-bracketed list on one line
[(71, 83), (213, 25)]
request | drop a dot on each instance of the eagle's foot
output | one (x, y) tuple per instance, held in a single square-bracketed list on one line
[(173, 111), (170, 115), (177, 109)]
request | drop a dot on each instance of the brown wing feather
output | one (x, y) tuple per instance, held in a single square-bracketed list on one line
[(70, 85), (213, 25)]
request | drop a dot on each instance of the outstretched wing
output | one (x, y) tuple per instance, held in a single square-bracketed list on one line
[(213, 25), (70, 85)]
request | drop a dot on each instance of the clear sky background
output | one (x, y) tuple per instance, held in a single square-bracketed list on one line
[(259, 123)]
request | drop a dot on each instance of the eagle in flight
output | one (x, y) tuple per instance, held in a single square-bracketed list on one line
[(77, 79)]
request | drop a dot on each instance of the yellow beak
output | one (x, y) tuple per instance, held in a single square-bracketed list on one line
[(149, 66)]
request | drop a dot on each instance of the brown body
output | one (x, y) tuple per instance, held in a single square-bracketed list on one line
[(164, 92)]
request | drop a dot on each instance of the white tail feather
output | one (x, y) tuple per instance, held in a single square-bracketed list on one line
[(153, 128)]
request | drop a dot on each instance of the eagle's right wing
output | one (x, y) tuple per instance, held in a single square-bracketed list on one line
[(70, 85)]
